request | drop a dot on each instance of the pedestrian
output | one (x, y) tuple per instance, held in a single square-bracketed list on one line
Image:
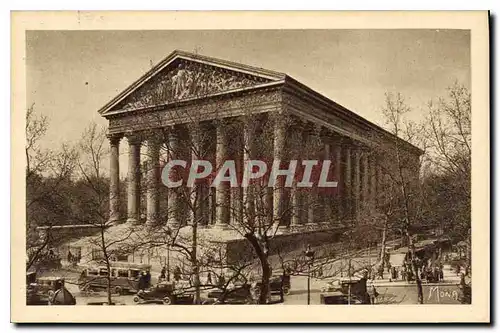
[(209, 278), (163, 273), (70, 257), (177, 273), (388, 268), (320, 271), (381, 271), (409, 276), (373, 294), (142, 285), (222, 281), (457, 268), (441, 273)]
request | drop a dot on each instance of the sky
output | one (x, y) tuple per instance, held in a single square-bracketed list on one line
[(72, 74)]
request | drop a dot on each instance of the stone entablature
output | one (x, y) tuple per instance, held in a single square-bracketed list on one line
[(231, 105)]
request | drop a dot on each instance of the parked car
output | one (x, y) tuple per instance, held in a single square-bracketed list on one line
[(338, 297), (48, 290), (278, 284), (164, 293), (236, 294)]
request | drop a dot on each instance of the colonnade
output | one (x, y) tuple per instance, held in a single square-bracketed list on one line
[(354, 166)]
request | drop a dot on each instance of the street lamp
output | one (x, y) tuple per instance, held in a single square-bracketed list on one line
[(169, 234), (310, 258)]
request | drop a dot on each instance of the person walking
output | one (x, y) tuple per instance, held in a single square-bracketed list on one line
[(373, 294), (142, 282), (177, 273), (163, 274)]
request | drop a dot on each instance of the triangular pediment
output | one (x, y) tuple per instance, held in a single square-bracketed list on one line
[(183, 76)]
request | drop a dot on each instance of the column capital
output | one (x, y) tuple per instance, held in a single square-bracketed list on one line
[(114, 138), (134, 137), (153, 135)]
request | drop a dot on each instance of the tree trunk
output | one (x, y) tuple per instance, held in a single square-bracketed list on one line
[(420, 292), (108, 267), (194, 262), (266, 269), (382, 244)]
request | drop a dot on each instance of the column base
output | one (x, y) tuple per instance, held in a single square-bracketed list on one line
[(310, 226), (132, 220), (221, 226), (296, 227), (173, 224), (152, 223), (325, 225), (114, 222), (283, 228)]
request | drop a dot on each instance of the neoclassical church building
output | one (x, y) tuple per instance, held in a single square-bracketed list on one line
[(182, 109)]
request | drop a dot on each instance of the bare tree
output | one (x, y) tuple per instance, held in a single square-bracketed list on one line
[(94, 151), (48, 172), (449, 188), (403, 172)]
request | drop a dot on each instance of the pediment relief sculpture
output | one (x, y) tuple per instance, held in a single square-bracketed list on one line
[(187, 80)]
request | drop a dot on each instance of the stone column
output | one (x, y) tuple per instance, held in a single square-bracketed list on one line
[(357, 182), (327, 193), (134, 175), (196, 192), (114, 178), (279, 196), (373, 180), (366, 180), (174, 198), (153, 177), (249, 191), (348, 208), (380, 185), (294, 198), (236, 153), (338, 176), (223, 194)]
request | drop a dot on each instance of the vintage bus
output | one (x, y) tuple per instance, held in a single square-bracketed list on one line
[(124, 277)]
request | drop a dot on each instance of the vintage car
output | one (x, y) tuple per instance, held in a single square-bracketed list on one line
[(124, 277), (338, 291), (278, 284), (235, 294), (166, 293), (48, 290), (338, 297)]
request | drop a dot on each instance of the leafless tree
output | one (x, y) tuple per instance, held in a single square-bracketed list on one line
[(93, 152), (47, 171), (403, 172), (449, 130)]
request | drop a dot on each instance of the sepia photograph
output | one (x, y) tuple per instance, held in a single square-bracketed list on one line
[(320, 167)]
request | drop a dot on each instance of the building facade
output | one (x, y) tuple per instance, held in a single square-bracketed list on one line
[(187, 96)]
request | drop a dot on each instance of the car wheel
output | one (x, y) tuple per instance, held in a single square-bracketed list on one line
[(136, 299), (118, 290), (167, 300), (286, 290)]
